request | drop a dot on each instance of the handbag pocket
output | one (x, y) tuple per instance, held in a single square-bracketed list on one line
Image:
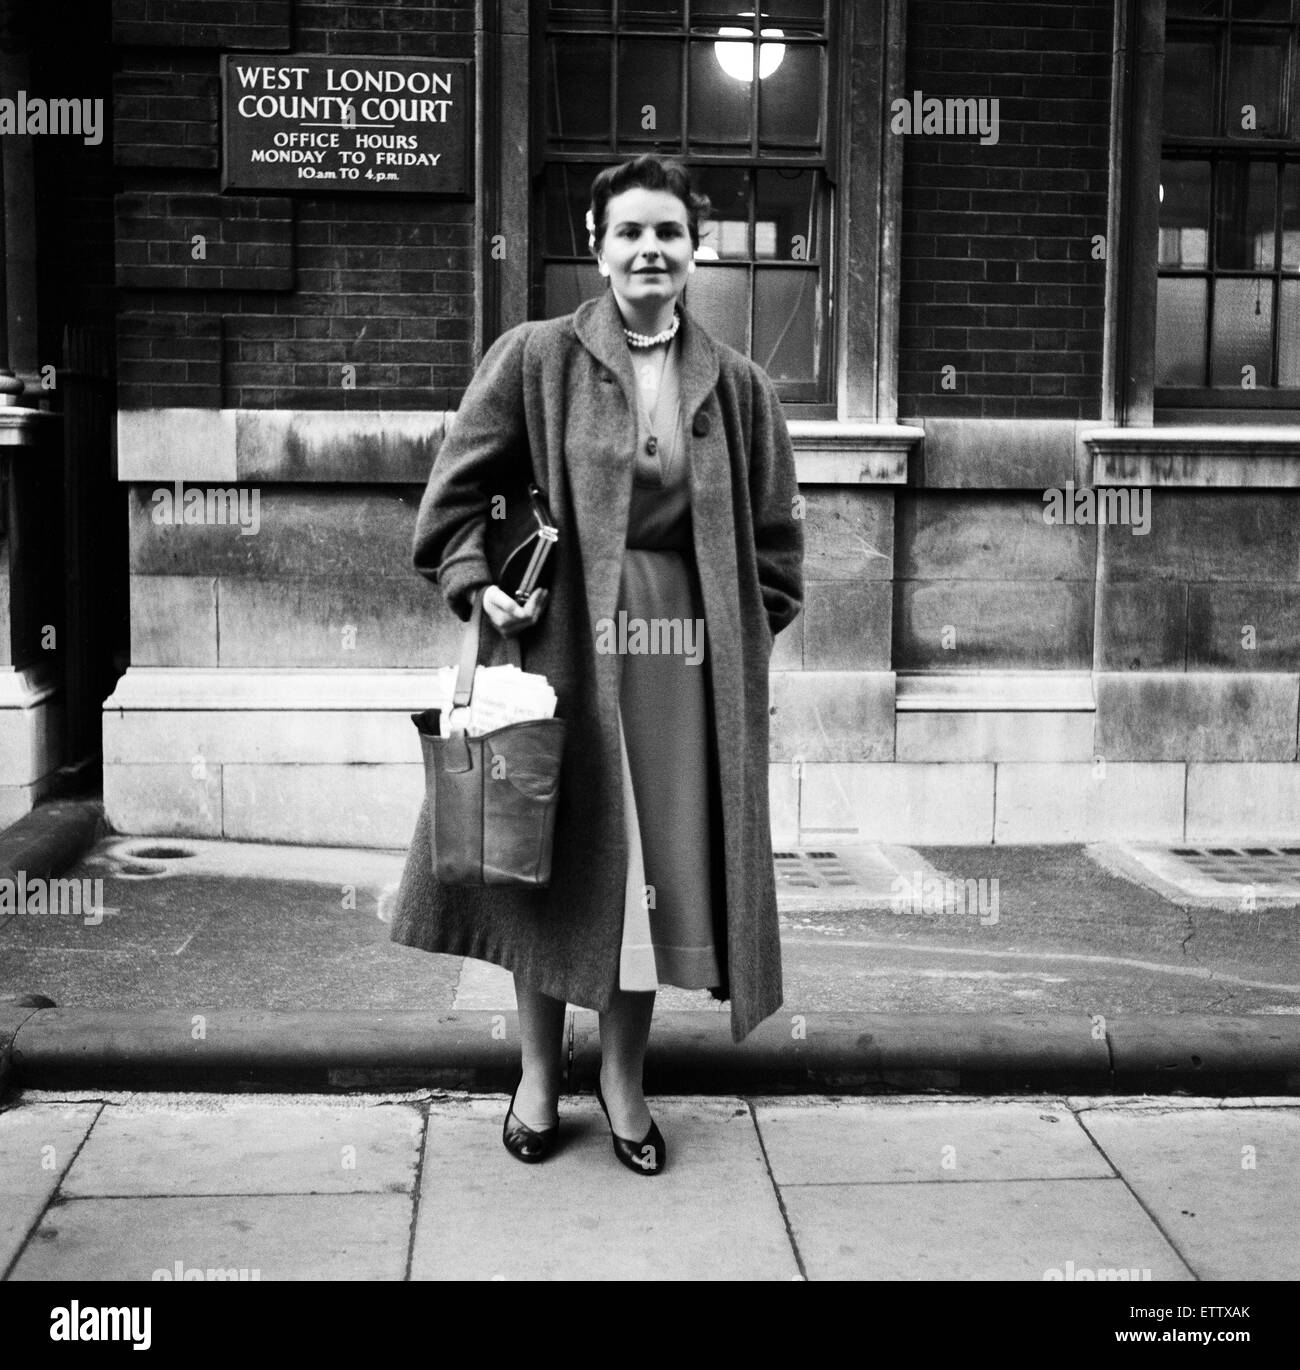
[(492, 801)]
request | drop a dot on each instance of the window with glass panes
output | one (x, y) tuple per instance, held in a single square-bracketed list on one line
[(1228, 293), (743, 98)]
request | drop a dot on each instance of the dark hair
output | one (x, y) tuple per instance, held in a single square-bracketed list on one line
[(647, 172)]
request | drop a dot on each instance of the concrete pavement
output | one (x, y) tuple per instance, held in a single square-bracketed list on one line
[(102, 1186)]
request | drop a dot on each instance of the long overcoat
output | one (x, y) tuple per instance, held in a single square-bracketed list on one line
[(557, 399)]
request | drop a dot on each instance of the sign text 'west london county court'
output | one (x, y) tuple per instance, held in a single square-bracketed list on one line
[(347, 123)]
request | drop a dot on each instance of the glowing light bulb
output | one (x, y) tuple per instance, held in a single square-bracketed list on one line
[(737, 58)]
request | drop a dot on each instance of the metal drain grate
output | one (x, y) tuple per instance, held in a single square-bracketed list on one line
[(1244, 865), (812, 870), (1236, 879)]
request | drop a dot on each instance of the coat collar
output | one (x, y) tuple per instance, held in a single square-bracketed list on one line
[(599, 327)]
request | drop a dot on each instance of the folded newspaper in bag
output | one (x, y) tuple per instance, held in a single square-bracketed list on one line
[(501, 695)]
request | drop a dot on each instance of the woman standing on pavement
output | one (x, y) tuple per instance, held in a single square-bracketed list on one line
[(669, 472)]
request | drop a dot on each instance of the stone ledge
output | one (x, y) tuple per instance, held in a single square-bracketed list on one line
[(397, 447), (996, 691), (1210, 456), (280, 446), (297, 689), (832, 453)]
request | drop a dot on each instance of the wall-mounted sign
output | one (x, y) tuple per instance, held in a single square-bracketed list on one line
[(347, 123)]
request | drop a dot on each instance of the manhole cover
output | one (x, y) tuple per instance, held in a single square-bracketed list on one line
[(1227, 877)]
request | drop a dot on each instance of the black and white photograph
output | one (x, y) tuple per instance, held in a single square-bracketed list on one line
[(649, 641)]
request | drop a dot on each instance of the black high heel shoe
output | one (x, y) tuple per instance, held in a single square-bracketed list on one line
[(645, 1157), (526, 1143)]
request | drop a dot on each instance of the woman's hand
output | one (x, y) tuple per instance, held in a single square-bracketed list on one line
[(511, 618)]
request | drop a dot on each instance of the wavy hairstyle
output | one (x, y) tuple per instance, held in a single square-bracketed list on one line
[(647, 172)]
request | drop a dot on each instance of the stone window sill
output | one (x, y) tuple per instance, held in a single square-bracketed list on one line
[(832, 453), (294, 446), (1208, 456)]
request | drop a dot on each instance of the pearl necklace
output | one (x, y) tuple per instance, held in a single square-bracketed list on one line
[(635, 339)]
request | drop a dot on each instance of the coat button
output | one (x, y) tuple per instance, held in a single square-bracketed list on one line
[(607, 376), (701, 425)]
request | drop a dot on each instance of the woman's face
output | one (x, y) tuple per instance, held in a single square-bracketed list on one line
[(647, 246)]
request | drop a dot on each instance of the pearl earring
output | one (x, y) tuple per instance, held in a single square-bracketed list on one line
[(603, 269)]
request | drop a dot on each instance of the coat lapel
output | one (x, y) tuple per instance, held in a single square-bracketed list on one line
[(599, 441), (599, 327)]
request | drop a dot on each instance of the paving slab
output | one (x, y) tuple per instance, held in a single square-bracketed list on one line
[(979, 1230), (218, 1145), (712, 1214), (37, 1144), (886, 1142), (278, 1236), (1223, 1183)]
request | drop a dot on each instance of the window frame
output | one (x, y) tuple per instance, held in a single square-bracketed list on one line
[(868, 208), (828, 159), (1141, 144)]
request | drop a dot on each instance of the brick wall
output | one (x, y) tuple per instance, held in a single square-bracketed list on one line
[(292, 289), (999, 280)]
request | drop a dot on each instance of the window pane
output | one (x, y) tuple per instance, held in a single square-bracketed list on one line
[(1189, 88), (785, 214), (1261, 9), (790, 96), (568, 197), (1255, 85), (713, 16), (809, 16), (1291, 217), (567, 286), (1203, 8), (808, 13), (583, 14), (651, 13), (577, 88), (1243, 331), (787, 328), (725, 233), (1288, 331), (719, 297), (649, 91), (1247, 196), (1180, 331), (719, 103), (1184, 213)]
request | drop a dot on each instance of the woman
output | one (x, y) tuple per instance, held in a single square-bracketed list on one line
[(670, 476)]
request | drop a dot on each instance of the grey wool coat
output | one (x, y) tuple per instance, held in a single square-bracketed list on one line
[(555, 401)]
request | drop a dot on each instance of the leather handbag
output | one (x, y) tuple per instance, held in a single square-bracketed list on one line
[(519, 546), (492, 798)]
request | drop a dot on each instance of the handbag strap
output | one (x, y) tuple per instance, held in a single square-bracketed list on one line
[(470, 647)]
